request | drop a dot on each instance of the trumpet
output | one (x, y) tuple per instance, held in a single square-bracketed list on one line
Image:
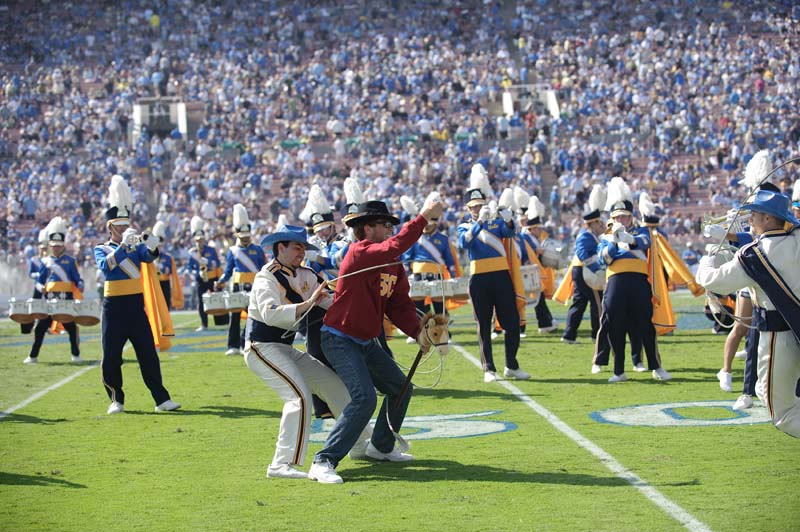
[(733, 220)]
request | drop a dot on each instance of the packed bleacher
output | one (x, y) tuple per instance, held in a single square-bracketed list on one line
[(402, 95)]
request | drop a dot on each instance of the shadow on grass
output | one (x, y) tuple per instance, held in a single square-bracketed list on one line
[(21, 418), (448, 470), (441, 393), (227, 412), (16, 479)]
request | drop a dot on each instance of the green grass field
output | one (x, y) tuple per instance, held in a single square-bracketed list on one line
[(539, 458)]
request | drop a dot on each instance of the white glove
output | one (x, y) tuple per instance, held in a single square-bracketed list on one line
[(311, 255), (505, 213), (152, 242), (485, 214), (625, 238), (617, 227), (129, 237), (203, 261), (706, 261), (715, 232)]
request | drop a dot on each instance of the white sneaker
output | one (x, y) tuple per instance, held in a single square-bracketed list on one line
[(596, 369), (725, 381), (743, 402), (200, 329), (31, 360), (489, 376), (77, 359), (324, 473), (168, 406), (516, 374), (115, 408), (545, 330), (639, 368), (359, 450), (284, 471), (232, 351), (523, 335), (568, 341), (395, 455), (495, 335), (618, 378), (661, 374), (741, 355), (410, 340)]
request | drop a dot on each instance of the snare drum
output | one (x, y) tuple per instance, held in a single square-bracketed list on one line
[(214, 303), (530, 278), (87, 313), (38, 309), (551, 254), (62, 310), (418, 289), (18, 311), (237, 301), (458, 287)]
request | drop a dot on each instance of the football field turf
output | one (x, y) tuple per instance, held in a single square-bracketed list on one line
[(565, 451)]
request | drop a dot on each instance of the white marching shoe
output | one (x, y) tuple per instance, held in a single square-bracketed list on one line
[(76, 359), (232, 351), (284, 471), (200, 329), (743, 402), (395, 455), (545, 330), (31, 360), (495, 335), (518, 374), (115, 408), (661, 374), (639, 368), (489, 376), (359, 450), (725, 381), (618, 378), (596, 369), (324, 473), (168, 406), (741, 355)]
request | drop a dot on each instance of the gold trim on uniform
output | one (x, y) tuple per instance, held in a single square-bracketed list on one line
[(494, 264), (427, 267), (58, 286), (163, 277), (244, 277), (626, 266), (122, 287)]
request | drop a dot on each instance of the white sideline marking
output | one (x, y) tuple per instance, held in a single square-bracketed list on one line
[(50, 388), (671, 508)]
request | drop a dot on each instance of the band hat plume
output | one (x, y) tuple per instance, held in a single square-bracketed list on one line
[(521, 198), (354, 197), (56, 231), (197, 227), (288, 233), (648, 209), (757, 168), (409, 206), (535, 211), (160, 231), (479, 189), (772, 203), (318, 210), (120, 202), (507, 200), (618, 198), (370, 211), (241, 222), (596, 203), (42, 239)]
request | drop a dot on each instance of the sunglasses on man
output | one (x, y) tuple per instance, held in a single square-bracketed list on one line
[(384, 223)]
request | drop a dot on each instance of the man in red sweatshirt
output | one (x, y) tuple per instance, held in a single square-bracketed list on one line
[(378, 285)]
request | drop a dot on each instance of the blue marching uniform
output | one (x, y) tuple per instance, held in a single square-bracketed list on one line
[(210, 270), (544, 318), (490, 287), (56, 279), (429, 257), (165, 264), (332, 254), (627, 301), (242, 263), (35, 265), (582, 294), (124, 319)]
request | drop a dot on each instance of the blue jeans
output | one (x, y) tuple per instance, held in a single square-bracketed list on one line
[(363, 368)]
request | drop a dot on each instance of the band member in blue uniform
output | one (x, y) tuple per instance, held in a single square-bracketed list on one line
[(531, 222), (490, 286), (35, 265), (242, 263), (204, 264), (121, 261), (586, 259), (769, 266), (627, 300), (167, 269), (58, 278)]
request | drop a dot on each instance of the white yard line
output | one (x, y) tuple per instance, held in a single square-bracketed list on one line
[(611, 463), (50, 388)]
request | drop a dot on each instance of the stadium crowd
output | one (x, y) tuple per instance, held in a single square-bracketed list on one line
[(402, 95)]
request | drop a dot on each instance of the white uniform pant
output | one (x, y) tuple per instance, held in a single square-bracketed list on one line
[(295, 375), (778, 374)]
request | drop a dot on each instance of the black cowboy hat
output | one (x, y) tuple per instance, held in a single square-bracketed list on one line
[(370, 211)]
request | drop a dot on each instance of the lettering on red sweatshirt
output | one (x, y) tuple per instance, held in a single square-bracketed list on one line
[(361, 300)]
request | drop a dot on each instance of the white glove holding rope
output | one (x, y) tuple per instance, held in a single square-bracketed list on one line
[(506, 214), (152, 242), (485, 214), (706, 261), (715, 232), (130, 238), (620, 235)]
